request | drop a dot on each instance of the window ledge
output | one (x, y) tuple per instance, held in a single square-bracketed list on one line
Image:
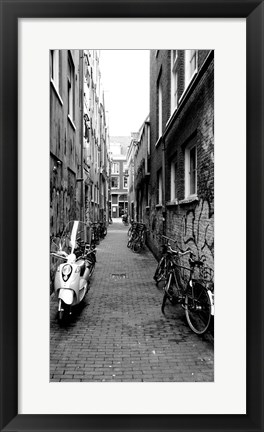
[(172, 203), (189, 200), (158, 206), (174, 109), (188, 84), (56, 91), (147, 207), (71, 122), (159, 141)]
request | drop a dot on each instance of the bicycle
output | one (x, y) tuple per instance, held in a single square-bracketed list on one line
[(95, 234), (136, 240), (160, 274), (102, 229), (195, 296)]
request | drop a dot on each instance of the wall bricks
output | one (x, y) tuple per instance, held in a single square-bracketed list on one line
[(187, 218)]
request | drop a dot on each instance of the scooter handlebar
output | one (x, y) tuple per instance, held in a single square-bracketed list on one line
[(59, 255)]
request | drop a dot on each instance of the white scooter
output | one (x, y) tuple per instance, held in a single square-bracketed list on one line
[(72, 277)]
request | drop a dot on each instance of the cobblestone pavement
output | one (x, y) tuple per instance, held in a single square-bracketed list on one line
[(119, 334)]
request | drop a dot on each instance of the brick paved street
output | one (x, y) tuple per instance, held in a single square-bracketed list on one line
[(119, 332)]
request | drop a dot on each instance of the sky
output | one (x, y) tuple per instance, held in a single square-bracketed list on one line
[(125, 79)]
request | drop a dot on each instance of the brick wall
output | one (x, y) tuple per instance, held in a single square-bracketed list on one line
[(65, 147), (190, 222)]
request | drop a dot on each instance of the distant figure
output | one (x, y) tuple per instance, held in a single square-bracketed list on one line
[(125, 218)]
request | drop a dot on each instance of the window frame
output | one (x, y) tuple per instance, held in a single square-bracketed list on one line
[(70, 88), (174, 184), (55, 78), (118, 170), (125, 179), (187, 60), (159, 188), (174, 81), (113, 187), (159, 122), (187, 157), (55, 67)]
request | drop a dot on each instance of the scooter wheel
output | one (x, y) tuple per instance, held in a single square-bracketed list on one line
[(60, 315)]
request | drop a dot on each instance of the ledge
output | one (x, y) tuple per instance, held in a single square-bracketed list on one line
[(189, 200), (158, 206), (172, 203), (56, 91), (189, 89), (159, 141), (71, 122)]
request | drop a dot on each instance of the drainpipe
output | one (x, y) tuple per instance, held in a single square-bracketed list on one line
[(163, 187)]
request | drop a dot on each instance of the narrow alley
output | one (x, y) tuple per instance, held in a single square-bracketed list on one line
[(118, 332)]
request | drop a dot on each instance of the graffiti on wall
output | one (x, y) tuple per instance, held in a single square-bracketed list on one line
[(196, 232), (62, 201)]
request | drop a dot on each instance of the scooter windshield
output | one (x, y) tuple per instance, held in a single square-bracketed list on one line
[(74, 233)]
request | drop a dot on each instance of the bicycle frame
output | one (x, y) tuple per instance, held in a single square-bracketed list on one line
[(172, 274), (193, 295)]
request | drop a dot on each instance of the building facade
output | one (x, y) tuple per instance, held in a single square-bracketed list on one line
[(65, 138), (119, 186), (79, 142), (142, 172), (177, 199), (131, 175), (96, 142), (119, 176)]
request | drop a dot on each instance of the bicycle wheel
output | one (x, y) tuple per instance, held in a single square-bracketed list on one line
[(198, 308), (164, 302), (137, 246), (161, 270), (170, 292)]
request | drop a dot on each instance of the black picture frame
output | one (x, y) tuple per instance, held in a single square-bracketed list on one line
[(11, 11)]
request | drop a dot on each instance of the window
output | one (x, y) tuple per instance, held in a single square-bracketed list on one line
[(55, 68), (191, 170), (125, 168), (115, 168), (147, 195), (148, 137), (174, 80), (123, 198), (125, 182), (159, 109), (174, 192), (114, 199), (191, 63), (115, 182), (159, 188), (70, 88)]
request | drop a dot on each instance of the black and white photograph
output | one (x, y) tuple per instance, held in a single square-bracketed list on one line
[(132, 209), (131, 215)]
